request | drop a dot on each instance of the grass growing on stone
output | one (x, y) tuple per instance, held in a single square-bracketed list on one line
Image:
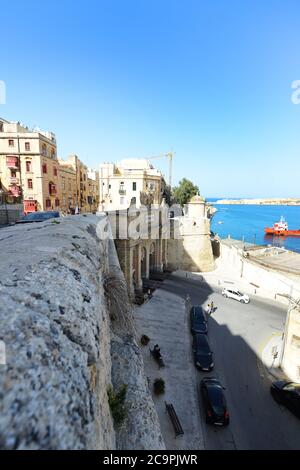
[(116, 402)]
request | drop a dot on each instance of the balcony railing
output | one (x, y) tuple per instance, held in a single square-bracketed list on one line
[(122, 192), (14, 180)]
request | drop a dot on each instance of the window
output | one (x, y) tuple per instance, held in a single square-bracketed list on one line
[(56, 202), (27, 146), (52, 153), (48, 203), (11, 143), (29, 184), (55, 171), (133, 200), (63, 183), (28, 166), (13, 173), (44, 168), (44, 150), (1, 126), (134, 186)]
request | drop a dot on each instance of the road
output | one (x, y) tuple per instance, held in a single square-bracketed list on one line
[(237, 334)]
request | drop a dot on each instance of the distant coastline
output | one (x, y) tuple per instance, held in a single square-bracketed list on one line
[(262, 202)]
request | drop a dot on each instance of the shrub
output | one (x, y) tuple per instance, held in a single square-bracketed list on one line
[(145, 340), (159, 386), (116, 402)]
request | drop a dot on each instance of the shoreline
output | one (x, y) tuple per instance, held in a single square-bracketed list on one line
[(261, 202)]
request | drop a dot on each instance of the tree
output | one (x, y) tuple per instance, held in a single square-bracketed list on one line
[(185, 191)]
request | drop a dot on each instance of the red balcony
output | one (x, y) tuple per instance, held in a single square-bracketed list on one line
[(12, 162)]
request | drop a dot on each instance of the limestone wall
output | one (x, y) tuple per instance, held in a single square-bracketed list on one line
[(265, 281), (193, 250), (60, 321)]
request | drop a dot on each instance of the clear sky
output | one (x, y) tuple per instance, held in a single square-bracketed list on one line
[(133, 78)]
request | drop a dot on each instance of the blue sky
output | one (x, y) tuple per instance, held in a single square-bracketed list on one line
[(134, 78)]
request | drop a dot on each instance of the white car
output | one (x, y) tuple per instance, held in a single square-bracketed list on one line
[(236, 295)]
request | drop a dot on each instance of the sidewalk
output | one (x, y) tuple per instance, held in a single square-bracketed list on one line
[(164, 320), (226, 276)]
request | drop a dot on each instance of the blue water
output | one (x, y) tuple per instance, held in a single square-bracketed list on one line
[(248, 222)]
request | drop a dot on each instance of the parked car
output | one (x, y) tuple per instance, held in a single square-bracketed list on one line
[(198, 320), (214, 402), (236, 295), (38, 217), (203, 356), (287, 394)]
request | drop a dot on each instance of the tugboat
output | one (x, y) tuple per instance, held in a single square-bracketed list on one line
[(281, 229)]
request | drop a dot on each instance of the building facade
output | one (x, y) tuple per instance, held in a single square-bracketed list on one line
[(130, 181), (29, 169), (68, 185)]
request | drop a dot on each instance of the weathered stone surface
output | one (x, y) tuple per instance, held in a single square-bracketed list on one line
[(141, 429), (56, 325)]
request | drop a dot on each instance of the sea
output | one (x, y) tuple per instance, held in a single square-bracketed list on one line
[(247, 222)]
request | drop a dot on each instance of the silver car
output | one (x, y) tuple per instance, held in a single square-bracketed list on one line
[(236, 295)]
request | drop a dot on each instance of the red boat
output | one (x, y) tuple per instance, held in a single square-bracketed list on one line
[(281, 229)]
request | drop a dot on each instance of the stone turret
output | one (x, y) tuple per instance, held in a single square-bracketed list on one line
[(193, 251)]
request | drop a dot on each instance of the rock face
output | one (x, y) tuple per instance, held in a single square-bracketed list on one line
[(56, 326)]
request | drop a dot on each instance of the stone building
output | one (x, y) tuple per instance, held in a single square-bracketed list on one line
[(143, 253), (29, 169), (68, 185), (93, 190), (133, 180), (189, 247)]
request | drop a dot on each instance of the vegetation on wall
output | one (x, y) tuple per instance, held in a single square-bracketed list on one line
[(116, 402)]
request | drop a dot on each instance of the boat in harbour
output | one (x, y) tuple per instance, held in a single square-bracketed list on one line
[(281, 229)]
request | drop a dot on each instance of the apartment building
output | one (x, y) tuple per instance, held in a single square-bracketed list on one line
[(93, 190), (68, 187), (130, 181), (29, 166)]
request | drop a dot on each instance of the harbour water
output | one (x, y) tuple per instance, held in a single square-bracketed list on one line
[(248, 222)]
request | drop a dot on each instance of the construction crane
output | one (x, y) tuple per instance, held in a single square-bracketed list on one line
[(168, 155)]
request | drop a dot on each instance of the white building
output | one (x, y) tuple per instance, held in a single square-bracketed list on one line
[(129, 181)]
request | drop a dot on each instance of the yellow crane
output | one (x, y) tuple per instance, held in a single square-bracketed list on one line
[(168, 155)]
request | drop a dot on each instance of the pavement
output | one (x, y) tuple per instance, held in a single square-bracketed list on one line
[(242, 338)]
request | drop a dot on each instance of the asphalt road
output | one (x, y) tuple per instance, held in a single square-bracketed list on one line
[(237, 334)]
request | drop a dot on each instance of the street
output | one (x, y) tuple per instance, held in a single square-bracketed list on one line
[(237, 333)]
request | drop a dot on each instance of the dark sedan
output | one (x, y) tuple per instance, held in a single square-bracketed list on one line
[(287, 394), (203, 357), (38, 217), (198, 320), (214, 402)]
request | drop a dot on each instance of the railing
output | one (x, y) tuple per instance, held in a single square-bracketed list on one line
[(122, 192)]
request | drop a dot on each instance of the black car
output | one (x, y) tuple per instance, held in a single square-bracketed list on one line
[(203, 357), (214, 402), (198, 320), (38, 217), (287, 394)]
